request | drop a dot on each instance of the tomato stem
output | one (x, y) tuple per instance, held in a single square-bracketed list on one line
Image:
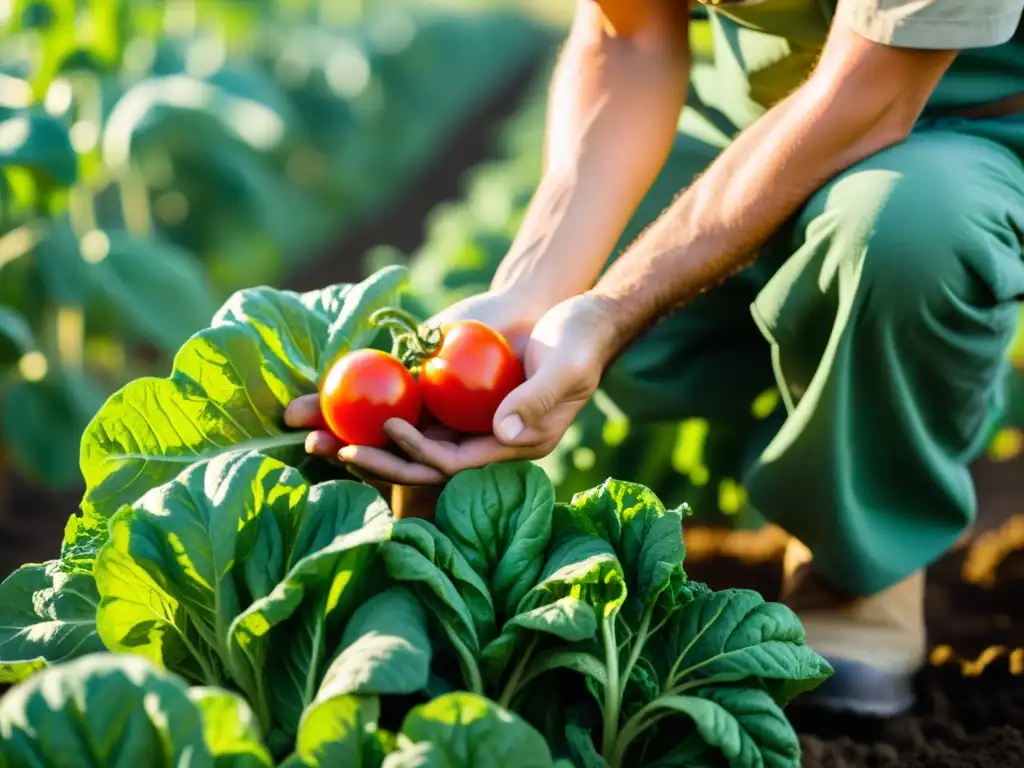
[(410, 343)]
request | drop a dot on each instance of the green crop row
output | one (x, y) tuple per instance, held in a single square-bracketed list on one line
[(156, 155)]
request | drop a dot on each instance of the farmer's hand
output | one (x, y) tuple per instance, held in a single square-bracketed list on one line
[(509, 315), (564, 358)]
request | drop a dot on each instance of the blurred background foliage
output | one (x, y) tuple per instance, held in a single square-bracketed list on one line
[(156, 155)]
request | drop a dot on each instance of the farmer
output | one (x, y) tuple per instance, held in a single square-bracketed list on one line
[(841, 216)]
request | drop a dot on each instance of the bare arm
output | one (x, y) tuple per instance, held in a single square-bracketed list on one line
[(615, 102), (862, 98)]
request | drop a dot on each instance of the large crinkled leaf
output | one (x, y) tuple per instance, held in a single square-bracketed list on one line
[(229, 388), (499, 517), (119, 710), (461, 730), (230, 729), (46, 617), (282, 642), (40, 143), (340, 732), (647, 538), (740, 727), (582, 585), (384, 649), (733, 636)]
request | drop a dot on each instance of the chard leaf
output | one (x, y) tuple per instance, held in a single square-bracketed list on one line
[(228, 389), (384, 649), (732, 636), (230, 729), (46, 617), (281, 641), (499, 517), (462, 730), (341, 731), (744, 726), (121, 712)]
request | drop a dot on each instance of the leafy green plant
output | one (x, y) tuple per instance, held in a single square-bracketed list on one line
[(210, 545)]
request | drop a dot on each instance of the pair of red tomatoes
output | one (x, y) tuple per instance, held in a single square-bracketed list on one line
[(463, 377)]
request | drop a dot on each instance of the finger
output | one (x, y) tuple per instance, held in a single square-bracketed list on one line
[(519, 418), (323, 444), (389, 467), (304, 412), (451, 458)]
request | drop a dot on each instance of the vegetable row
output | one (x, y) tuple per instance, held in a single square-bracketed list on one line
[(156, 156)]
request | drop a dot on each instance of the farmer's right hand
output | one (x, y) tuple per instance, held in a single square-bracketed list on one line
[(505, 313)]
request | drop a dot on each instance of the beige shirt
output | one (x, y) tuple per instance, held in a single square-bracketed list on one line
[(935, 24), (943, 24)]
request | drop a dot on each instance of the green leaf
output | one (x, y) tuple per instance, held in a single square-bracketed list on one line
[(422, 559), (647, 538), (152, 290), (43, 422), (228, 390), (14, 328), (734, 636), (279, 645), (120, 711), (40, 143), (341, 731), (230, 729), (461, 730), (581, 742), (499, 517), (199, 572), (384, 649), (475, 609), (744, 725), (46, 617)]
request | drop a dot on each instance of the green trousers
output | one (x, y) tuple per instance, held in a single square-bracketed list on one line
[(882, 313)]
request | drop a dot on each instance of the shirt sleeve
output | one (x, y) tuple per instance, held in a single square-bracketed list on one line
[(933, 24)]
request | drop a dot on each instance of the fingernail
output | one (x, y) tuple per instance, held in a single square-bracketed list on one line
[(510, 427), (348, 453)]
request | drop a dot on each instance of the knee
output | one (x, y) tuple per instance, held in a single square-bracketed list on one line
[(912, 250)]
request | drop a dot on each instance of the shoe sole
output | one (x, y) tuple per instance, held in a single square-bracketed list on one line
[(859, 689)]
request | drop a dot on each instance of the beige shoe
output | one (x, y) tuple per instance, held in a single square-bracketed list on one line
[(876, 644)]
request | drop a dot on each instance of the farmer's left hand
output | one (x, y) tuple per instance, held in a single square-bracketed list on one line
[(564, 359)]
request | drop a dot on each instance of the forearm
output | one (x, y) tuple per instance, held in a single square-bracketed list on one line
[(717, 226), (615, 102)]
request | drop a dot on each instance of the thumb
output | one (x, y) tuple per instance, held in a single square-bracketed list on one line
[(518, 419)]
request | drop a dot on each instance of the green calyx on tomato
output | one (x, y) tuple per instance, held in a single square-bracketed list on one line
[(362, 391), (464, 368)]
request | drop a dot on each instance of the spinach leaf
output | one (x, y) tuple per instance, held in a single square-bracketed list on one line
[(743, 727), (239, 571), (734, 636), (427, 562), (46, 617), (115, 711), (341, 731), (228, 390), (229, 728), (499, 518), (462, 730)]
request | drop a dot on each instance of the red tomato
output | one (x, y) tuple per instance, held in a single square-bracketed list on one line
[(465, 380), (362, 391)]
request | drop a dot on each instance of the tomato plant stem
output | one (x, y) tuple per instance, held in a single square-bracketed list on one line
[(611, 690)]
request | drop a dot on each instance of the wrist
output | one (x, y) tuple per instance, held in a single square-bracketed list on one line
[(603, 315)]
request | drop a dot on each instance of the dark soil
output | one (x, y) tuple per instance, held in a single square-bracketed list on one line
[(970, 712)]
